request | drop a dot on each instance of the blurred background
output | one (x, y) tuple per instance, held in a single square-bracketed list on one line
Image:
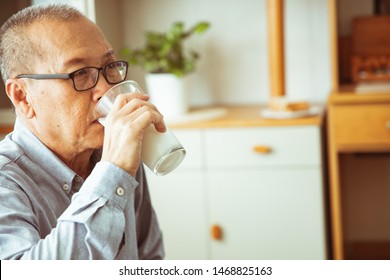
[(290, 186), (233, 68)]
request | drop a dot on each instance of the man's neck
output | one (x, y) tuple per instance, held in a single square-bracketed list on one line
[(76, 159)]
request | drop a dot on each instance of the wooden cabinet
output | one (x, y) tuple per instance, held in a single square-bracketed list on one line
[(361, 124), (232, 200), (358, 134)]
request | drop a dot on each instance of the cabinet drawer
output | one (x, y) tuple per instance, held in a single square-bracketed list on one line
[(361, 124), (265, 146)]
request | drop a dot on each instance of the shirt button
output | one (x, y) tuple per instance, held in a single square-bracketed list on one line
[(65, 187), (120, 191), (77, 179)]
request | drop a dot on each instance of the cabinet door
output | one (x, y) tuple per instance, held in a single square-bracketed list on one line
[(179, 201), (268, 214)]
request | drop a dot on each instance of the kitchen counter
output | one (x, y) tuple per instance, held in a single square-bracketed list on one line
[(209, 117), (242, 116)]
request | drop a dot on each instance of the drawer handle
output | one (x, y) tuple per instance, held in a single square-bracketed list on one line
[(259, 149), (388, 124), (216, 232)]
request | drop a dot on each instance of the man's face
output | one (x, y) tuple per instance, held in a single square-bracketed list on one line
[(63, 116)]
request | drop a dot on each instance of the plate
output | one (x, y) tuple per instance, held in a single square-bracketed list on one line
[(269, 114)]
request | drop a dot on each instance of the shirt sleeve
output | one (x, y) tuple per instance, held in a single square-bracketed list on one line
[(92, 227)]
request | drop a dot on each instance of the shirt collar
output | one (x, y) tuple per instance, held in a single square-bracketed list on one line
[(35, 150)]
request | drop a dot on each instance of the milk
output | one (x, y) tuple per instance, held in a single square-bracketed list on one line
[(161, 152)]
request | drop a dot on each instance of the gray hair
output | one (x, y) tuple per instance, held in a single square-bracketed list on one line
[(17, 50)]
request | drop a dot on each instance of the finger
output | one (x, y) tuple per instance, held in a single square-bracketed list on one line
[(149, 116), (123, 110), (122, 99), (160, 126), (141, 107), (133, 105)]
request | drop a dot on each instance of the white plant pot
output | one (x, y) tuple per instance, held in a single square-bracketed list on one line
[(168, 93)]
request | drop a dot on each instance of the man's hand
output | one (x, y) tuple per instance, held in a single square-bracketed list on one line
[(124, 129)]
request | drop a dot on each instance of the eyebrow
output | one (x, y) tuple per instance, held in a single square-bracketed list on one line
[(81, 60)]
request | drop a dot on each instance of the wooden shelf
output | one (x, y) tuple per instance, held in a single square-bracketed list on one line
[(6, 129), (349, 97), (348, 92), (356, 123), (363, 148)]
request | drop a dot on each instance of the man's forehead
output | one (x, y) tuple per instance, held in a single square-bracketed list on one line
[(79, 42), (85, 59)]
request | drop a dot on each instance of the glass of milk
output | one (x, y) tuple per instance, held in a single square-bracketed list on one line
[(161, 152)]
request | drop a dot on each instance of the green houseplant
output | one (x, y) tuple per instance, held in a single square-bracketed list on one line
[(167, 64), (164, 52)]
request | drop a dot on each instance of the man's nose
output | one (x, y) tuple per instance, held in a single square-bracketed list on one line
[(102, 86)]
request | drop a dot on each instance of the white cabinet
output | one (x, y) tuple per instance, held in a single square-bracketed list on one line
[(179, 199), (267, 204), (267, 214)]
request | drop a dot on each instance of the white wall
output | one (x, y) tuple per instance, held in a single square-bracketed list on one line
[(234, 64), (307, 49), (87, 7)]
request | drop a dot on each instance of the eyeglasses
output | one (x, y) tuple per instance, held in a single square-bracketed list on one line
[(87, 77)]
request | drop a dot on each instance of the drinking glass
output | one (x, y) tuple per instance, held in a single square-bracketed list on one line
[(161, 152)]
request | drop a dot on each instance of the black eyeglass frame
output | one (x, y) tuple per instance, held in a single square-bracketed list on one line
[(72, 74)]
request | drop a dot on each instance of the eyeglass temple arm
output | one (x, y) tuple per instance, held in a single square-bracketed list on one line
[(44, 76)]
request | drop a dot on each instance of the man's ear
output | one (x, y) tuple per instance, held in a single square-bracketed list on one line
[(16, 91)]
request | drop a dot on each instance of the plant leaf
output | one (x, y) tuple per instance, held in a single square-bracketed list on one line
[(164, 52), (201, 27)]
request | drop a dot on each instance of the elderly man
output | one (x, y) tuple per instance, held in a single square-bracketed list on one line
[(69, 188)]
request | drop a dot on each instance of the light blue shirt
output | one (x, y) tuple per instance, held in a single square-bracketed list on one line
[(47, 211)]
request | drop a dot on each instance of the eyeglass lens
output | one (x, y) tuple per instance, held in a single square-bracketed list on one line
[(87, 78)]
